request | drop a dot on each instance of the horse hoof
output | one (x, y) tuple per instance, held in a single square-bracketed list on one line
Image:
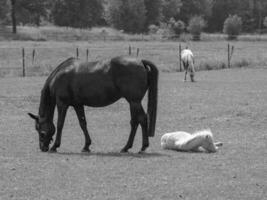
[(85, 150), (141, 152), (124, 151), (52, 150)]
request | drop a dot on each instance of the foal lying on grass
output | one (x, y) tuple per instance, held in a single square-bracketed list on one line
[(183, 141)]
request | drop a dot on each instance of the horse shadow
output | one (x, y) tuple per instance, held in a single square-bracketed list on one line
[(114, 154)]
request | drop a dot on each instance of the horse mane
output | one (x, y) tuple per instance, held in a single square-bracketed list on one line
[(46, 101), (59, 67), (205, 132)]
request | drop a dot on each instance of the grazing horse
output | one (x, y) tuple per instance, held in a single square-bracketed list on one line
[(97, 84), (188, 62), (183, 141)]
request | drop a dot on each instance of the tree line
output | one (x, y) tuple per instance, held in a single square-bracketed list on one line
[(133, 16)]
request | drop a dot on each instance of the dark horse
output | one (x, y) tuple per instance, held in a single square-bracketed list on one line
[(98, 84)]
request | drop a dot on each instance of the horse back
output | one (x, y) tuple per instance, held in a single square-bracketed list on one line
[(130, 77), (98, 83)]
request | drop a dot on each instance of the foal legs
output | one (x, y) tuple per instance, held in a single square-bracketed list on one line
[(186, 69), (137, 116), (192, 73), (82, 120), (185, 75), (62, 110)]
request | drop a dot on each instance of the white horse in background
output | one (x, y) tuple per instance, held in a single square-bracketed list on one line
[(183, 141), (187, 58)]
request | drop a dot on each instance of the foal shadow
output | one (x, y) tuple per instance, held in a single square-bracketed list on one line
[(114, 154)]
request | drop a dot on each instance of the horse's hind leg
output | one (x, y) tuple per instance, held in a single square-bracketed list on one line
[(143, 122), (62, 110), (137, 115), (185, 69), (185, 75), (192, 74), (82, 120)]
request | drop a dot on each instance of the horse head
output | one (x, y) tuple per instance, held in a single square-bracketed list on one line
[(45, 130), (208, 143)]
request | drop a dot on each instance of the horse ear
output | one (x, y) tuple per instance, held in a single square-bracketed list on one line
[(35, 117)]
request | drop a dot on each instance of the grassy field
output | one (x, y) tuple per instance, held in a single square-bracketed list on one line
[(208, 54), (55, 33), (231, 102)]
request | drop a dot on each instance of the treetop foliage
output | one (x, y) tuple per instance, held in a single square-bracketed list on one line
[(134, 16)]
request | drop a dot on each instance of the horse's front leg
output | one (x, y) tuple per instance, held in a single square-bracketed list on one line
[(62, 110), (82, 120)]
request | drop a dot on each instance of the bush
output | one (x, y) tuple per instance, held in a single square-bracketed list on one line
[(232, 26), (195, 27), (177, 26), (153, 29)]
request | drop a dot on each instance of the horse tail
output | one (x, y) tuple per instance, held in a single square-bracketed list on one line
[(152, 96)]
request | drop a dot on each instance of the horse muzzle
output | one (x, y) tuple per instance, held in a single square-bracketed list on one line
[(44, 148)]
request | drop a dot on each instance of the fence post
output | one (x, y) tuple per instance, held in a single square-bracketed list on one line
[(232, 52), (230, 49), (23, 62), (87, 54), (137, 52), (77, 52), (228, 55), (33, 56), (130, 50), (180, 62)]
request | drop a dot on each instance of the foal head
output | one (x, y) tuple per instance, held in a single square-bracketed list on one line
[(208, 143), (45, 130)]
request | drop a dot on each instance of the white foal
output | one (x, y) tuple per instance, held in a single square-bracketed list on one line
[(183, 141), (187, 58)]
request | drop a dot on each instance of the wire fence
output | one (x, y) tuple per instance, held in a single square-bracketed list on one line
[(36, 60)]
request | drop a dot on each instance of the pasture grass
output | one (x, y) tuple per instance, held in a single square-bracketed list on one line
[(209, 55), (231, 102)]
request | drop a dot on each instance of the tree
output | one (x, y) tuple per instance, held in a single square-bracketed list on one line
[(13, 16), (31, 11), (77, 13), (4, 10), (191, 8), (265, 22), (128, 15), (220, 11), (153, 14), (232, 26), (170, 8), (177, 27), (195, 27)]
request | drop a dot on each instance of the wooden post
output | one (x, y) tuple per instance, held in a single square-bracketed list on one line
[(87, 54), (137, 52), (77, 52), (228, 55), (180, 60), (33, 56), (23, 62), (232, 51), (130, 50)]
